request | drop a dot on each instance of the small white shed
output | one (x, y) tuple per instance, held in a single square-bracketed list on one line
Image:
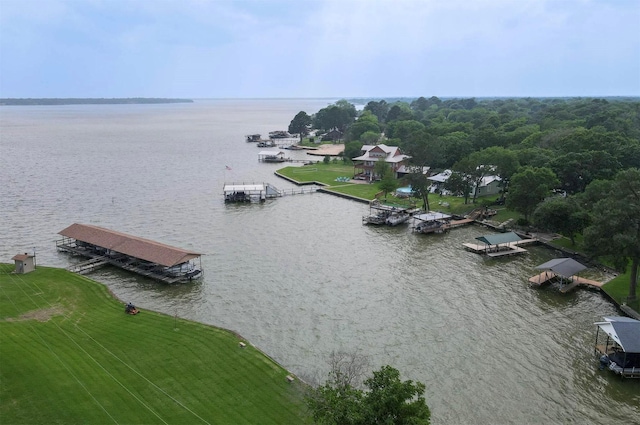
[(25, 263)]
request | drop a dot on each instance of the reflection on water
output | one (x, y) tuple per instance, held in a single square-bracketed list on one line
[(300, 276)]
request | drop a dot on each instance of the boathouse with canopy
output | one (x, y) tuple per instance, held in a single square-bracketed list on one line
[(499, 244), (143, 256), (619, 347), (562, 268), (566, 271)]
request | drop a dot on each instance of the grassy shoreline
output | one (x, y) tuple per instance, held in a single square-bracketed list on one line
[(71, 355)]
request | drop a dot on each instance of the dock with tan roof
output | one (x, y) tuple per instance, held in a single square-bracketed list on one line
[(143, 256)]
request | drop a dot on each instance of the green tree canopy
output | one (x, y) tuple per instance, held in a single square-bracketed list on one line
[(300, 124), (367, 122), (561, 214), (339, 116), (614, 232), (379, 109), (386, 400), (529, 187)]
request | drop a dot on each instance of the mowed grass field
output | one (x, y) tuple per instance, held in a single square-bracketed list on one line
[(70, 355)]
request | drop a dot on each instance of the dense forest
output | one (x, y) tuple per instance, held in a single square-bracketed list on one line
[(567, 165), (88, 101)]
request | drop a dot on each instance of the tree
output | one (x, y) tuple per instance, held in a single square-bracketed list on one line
[(529, 187), (577, 169), (300, 124), (392, 401), (614, 232), (370, 137), (379, 109), (388, 183), (382, 169), (385, 400), (473, 169), (367, 122), (563, 215), (424, 150), (339, 116), (459, 185), (351, 150)]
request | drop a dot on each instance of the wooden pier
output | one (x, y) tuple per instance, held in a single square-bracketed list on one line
[(88, 265), (571, 282), (500, 250)]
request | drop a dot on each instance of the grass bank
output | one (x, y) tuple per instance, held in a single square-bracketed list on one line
[(329, 175), (69, 354)]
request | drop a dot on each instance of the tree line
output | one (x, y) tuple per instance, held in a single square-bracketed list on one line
[(568, 165)]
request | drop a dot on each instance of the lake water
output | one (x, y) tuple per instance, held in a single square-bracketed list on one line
[(300, 276)]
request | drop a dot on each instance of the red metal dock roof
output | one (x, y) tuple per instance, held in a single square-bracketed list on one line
[(133, 246)]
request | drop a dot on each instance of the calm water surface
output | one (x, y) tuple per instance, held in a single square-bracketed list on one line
[(300, 276)]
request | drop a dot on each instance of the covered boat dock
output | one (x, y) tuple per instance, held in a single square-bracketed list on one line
[(145, 257), (620, 351), (499, 244), (565, 270), (234, 192)]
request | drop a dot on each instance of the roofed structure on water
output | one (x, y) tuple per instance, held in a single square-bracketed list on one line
[(621, 349), (499, 238), (236, 192), (144, 256), (565, 267)]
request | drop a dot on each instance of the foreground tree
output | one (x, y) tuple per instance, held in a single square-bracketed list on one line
[(615, 229), (392, 401), (529, 187), (562, 215), (385, 400)]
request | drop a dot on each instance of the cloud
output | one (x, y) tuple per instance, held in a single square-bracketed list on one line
[(291, 48)]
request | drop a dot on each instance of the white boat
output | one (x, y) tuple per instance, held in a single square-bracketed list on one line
[(397, 218), (432, 222), (379, 218)]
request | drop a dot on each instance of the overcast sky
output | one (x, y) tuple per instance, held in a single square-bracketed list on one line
[(319, 48)]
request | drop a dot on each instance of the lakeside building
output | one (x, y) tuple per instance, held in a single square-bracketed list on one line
[(364, 165), (143, 256)]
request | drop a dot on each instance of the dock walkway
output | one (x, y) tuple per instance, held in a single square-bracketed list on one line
[(573, 281), (500, 250)]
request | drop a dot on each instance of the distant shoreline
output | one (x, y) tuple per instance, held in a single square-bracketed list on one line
[(89, 101)]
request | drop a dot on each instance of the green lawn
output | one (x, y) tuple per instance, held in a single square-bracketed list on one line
[(319, 172), (618, 289), (328, 173), (69, 354)]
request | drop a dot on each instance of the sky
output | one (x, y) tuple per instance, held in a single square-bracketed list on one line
[(319, 48)]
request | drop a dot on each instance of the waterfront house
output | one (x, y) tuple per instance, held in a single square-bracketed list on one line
[(364, 165), (489, 185)]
